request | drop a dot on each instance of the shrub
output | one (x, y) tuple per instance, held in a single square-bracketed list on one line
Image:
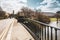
[(43, 18)]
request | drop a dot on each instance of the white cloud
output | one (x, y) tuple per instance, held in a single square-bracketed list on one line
[(10, 5), (51, 6), (24, 1), (48, 1)]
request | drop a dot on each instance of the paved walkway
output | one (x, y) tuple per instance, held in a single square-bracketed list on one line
[(10, 29)]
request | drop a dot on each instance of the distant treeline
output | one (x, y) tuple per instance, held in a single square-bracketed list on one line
[(28, 13)]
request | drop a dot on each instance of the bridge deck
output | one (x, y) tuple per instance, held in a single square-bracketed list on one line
[(16, 31)]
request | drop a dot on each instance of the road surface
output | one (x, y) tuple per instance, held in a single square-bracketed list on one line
[(10, 29)]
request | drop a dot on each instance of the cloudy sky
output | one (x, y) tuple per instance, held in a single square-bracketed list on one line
[(44, 5)]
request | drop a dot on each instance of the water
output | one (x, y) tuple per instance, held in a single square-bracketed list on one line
[(54, 24)]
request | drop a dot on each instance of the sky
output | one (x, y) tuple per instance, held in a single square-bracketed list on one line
[(44, 5)]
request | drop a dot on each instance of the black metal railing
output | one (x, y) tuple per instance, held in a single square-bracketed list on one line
[(46, 31), (32, 34)]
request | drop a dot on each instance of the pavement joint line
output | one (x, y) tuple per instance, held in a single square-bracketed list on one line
[(4, 32)]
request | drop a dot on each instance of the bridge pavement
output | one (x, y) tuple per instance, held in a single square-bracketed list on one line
[(10, 29)]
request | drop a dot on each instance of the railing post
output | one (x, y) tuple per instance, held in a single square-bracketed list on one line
[(55, 34), (51, 34), (48, 33), (45, 33), (41, 32)]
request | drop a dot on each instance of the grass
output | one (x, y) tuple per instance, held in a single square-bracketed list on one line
[(54, 19)]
